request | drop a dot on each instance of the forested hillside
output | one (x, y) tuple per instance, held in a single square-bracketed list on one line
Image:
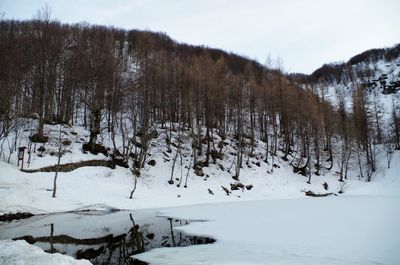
[(135, 85), (366, 87)]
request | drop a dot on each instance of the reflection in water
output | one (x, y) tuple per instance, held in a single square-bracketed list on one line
[(103, 239)]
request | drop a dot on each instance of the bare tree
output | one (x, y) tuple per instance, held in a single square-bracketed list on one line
[(389, 148), (59, 154)]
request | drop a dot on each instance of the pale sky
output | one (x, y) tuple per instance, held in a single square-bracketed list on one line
[(304, 33)]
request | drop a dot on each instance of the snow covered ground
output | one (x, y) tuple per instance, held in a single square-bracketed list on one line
[(102, 188), (271, 223), (21, 253), (331, 231)]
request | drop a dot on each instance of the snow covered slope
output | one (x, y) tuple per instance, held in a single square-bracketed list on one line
[(377, 70), (100, 188)]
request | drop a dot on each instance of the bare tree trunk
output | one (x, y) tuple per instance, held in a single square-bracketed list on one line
[(58, 164), (134, 185), (347, 163), (359, 162), (187, 174), (178, 150)]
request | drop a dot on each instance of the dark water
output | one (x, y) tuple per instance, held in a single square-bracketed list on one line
[(101, 238)]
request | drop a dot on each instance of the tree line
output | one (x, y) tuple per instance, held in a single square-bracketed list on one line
[(129, 83)]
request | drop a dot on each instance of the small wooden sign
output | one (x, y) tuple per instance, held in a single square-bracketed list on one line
[(21, 154)]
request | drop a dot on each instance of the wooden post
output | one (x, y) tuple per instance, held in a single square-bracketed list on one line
[(21, 154)]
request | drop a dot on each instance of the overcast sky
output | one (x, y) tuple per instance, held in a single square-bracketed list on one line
[(304, 33)]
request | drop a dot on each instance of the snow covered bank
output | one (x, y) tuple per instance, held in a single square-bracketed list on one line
[(21, 253), (332, 231), (101, 188)]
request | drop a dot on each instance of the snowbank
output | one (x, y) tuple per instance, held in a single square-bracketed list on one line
[(21, 253)]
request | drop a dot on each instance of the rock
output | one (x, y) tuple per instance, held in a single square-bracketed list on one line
[(95, 149), (249, 187), (154, 134), (66, 142), (325, 185), (233, 187), (16, 216), (152, 162), (29, 239), (216, 155), (237, 186), (199, 172), (41, 149), (26, 215), (312, 194), (4, 218), (150, 236), (119, 161), (39, 139), (210, 191), (201, 164)]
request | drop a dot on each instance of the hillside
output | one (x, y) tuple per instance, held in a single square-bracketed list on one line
[(104, 188), (117, 146), (112, 118), (377, 70)]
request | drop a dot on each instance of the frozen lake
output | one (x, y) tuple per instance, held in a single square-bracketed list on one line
[(101, 238), (338, 230)]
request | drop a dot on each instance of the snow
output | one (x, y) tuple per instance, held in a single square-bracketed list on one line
[(77, 135), (102, 188), (21, 253), (336, 230), (271, 223)]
